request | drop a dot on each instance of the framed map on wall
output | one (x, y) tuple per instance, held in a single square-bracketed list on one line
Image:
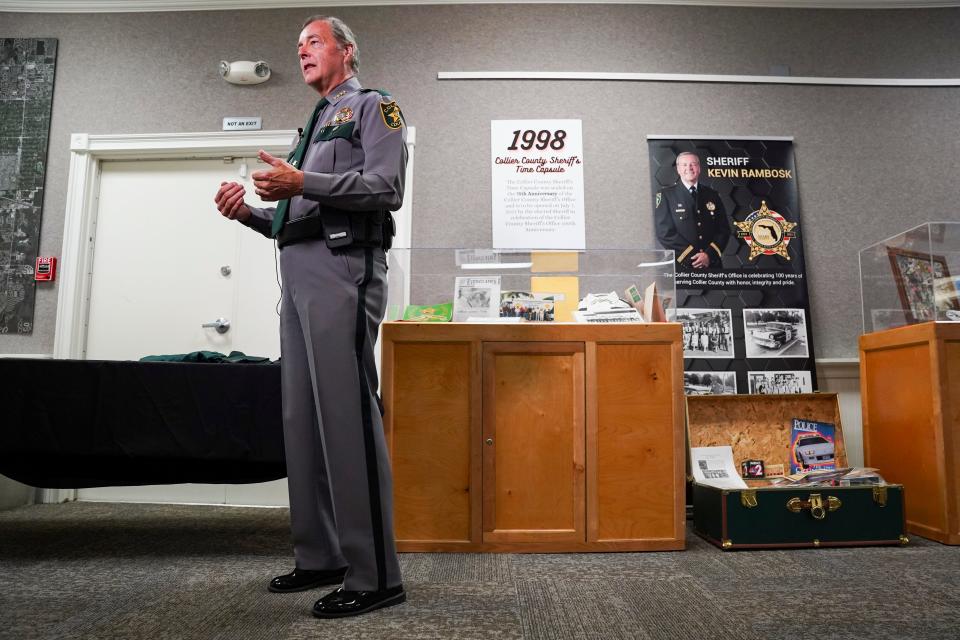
[(26, 96)]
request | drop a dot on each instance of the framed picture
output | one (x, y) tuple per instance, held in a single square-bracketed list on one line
[(927, 292)]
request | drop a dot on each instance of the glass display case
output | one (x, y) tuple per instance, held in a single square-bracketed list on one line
[(912, 277), (518, 286)]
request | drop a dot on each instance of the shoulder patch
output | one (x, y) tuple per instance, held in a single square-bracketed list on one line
[(391, 115)]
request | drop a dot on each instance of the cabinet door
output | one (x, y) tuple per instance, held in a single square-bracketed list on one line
[(533, 434), (429, 428), (635, 444)]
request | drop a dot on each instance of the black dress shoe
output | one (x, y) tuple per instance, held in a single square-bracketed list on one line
[(342, 603), (303, 579)]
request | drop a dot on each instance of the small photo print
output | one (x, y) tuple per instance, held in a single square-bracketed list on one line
[(532, 307), (946, 294), (766, 382), (709, 383), (707, 333), (775, 333)]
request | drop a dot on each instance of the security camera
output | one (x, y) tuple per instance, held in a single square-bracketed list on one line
[(245, 72)]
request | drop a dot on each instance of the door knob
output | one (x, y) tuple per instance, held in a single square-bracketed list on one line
[(222, 325)]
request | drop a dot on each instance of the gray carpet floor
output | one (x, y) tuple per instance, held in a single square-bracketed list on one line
[(103, 571)]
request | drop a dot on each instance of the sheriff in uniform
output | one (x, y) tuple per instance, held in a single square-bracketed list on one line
[(691, 219), (335, 192)]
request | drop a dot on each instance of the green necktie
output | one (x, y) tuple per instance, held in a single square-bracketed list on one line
[(296, 159)]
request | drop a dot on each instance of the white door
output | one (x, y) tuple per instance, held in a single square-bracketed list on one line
[(165, 262)]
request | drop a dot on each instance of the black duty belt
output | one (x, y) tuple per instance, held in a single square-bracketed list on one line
[(368, 230), (298, 230)]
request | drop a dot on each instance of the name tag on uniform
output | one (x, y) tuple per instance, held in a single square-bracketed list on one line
[(332, 131), (337, 236)]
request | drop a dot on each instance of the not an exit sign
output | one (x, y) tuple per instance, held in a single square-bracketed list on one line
[(238, 123)]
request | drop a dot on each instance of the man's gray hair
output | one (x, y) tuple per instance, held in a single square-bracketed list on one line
[(343, 35), (688, 153)]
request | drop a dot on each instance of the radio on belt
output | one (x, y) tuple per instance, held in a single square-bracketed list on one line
[(46, 269)]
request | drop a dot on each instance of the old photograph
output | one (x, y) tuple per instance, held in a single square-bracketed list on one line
[(709, 383), (775, 333), (707, 333), (476, 298), (765, 382)]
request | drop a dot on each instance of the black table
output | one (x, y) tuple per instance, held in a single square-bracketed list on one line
[(89, 423)]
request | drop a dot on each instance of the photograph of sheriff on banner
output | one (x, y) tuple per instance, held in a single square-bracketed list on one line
[(729, 209)]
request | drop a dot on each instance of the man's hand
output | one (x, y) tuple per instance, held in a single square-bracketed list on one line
[(281, 181), (230, 202), (701, 260)]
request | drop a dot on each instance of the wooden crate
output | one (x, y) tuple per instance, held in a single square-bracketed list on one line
[(910, 391)]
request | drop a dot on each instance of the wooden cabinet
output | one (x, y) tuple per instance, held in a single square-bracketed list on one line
[(535, 437), (910, 390)]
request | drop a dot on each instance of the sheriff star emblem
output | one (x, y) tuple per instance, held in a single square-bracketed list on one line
[(766, 232), (711, 206)]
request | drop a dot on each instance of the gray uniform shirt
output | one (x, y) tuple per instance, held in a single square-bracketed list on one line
[(356, 160)]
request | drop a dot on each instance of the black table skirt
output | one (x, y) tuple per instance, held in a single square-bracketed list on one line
[(91, 423)]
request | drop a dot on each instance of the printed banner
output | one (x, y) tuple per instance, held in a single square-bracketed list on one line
[(729, 210), (537, 184)]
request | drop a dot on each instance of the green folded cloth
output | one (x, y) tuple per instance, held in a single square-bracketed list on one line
[(205, 356)]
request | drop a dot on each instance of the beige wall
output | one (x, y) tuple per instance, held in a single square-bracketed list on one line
[(870, 161)]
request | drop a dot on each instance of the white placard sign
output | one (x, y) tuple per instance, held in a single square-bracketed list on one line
[(537, 184), (242, 123)]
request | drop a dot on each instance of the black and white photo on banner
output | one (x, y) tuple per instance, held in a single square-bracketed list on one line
[(768, 382), (709, 383), (775, 333), (707, 333)]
